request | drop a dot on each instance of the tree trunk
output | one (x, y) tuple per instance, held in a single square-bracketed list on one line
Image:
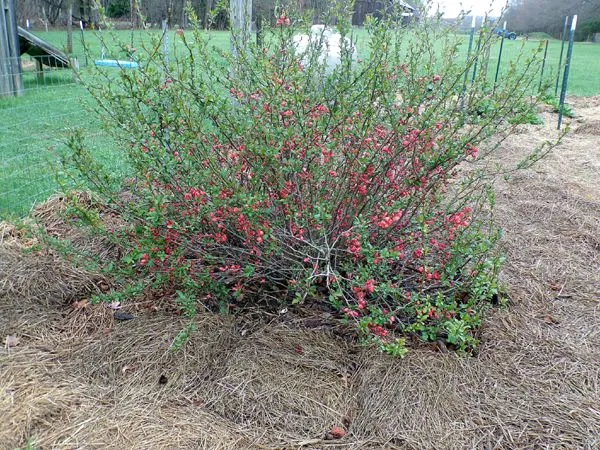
[(208, 7), (45, 18), (70, 27), (183, 23), (259, 30), (170, 13)]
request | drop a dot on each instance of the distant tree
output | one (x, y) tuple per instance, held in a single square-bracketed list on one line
[(118, 8), (548, 15), (28, 9), (262, 13), (364, 8), (51, 10)]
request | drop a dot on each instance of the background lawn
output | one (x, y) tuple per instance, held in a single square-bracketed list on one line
[(34, 127), (584, 79)]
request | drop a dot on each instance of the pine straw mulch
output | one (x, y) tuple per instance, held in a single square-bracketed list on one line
[(80, 379), (30, 271)]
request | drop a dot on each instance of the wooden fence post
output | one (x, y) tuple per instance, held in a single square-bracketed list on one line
[(11, 78), (240, 18)]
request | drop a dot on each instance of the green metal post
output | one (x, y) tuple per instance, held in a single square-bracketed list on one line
[(499, 57), (565, 80), (83, 42), (543, 66), (471, 37), (562, 49), (479, 39)]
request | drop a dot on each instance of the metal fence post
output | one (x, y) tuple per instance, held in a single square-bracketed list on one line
[(500, 56), (83, 42), (471, 37), (565, 80), (479, 39), (543, 66), (562, 48)]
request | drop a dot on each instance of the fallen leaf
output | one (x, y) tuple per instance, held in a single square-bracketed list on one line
[(299, 349), (337, 433), (346, 421), (345, 380), (128, 368), (555, 286), (11, 341), (441, 345), (81, 304), (551, 320)]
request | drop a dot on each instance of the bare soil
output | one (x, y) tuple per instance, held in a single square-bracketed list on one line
[(76, 378)]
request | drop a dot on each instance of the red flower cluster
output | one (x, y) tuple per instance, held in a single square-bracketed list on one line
[(283, 21)]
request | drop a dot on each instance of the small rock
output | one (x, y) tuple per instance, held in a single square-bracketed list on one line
[(121, 315), (11, 341)]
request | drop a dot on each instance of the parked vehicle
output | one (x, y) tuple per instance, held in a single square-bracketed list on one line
[(507, 34)]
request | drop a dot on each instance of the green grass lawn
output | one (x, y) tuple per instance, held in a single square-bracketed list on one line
[(34, 127), (584, 79), (107, 43), (33, 131)]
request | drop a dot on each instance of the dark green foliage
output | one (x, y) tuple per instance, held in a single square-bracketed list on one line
[(118, 8)]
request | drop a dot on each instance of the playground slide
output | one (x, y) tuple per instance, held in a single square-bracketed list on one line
[(41, 50)]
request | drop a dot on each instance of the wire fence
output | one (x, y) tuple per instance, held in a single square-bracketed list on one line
[(33, 129), (35, 126)]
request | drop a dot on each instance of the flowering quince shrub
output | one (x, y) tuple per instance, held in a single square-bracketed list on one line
[(274, 177)]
